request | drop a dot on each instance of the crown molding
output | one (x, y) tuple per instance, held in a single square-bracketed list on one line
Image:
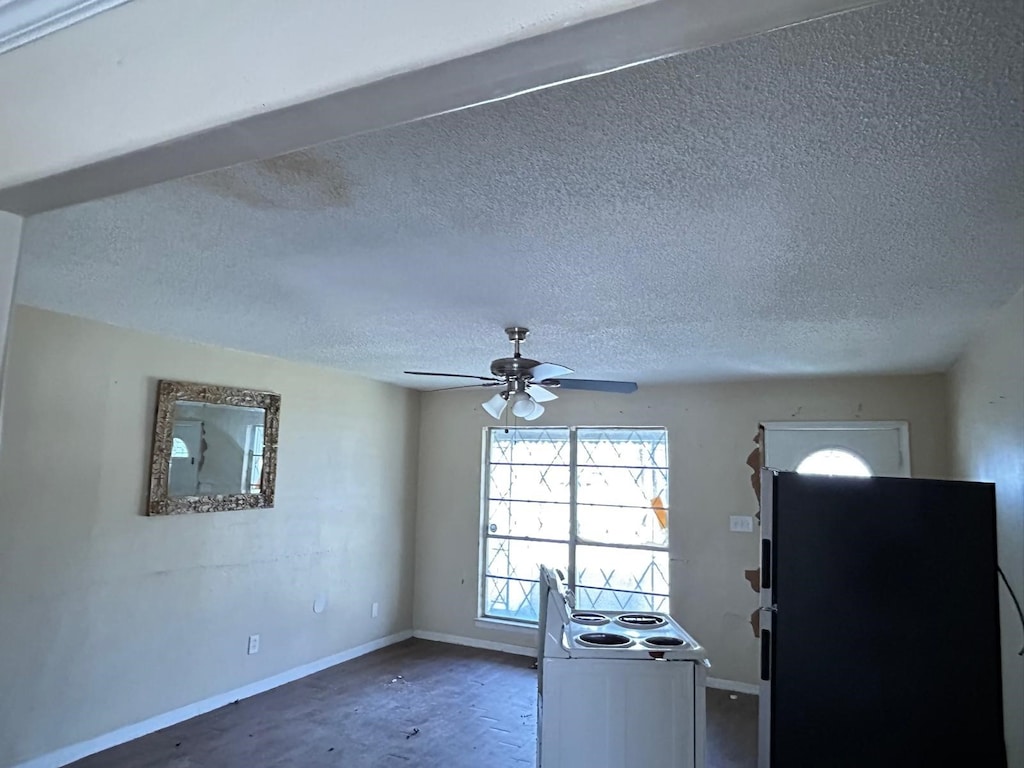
[(22, 21)]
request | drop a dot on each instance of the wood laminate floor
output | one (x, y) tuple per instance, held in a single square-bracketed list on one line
[(417, 704)]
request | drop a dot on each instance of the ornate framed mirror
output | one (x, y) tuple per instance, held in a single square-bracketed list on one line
[(214, 448)]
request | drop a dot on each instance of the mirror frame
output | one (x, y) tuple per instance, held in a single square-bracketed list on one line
[(168, 393)]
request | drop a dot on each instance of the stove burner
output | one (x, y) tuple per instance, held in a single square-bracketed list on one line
[(589, 618), (663, 641), (604, 640), (641, 621)]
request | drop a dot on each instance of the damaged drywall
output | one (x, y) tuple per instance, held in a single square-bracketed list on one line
[(753, 575)]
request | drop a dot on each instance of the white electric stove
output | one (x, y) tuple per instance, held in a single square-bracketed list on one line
[(616, 689)]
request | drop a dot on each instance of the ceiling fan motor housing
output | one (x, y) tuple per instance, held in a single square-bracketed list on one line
[(512, 367)]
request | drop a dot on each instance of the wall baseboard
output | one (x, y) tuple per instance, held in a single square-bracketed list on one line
[(73, 752), (733, 685), (472, 642)]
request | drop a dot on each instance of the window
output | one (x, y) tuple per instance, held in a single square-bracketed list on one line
[(834, 461), (179, 450), (590, 501), (857, 448), (255, 459)]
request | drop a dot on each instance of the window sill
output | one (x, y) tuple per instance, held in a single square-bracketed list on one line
[(507, 626)]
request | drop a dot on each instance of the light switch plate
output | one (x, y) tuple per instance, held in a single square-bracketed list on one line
[(742, 523), (254, 644)]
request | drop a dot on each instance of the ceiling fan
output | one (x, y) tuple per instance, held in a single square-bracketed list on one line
[(526, 383)]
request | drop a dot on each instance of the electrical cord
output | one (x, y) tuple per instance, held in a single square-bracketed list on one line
[(1019, 611)]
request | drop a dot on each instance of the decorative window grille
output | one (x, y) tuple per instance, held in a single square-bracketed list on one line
[(590, 501)]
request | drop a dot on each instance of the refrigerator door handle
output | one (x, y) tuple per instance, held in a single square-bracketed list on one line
[(766, 654), (766, 564)]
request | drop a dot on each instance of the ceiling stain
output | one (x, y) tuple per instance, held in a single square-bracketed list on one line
[(224, 184), (298, 181)]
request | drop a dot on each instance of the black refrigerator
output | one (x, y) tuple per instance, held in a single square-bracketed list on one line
[(879, 623)]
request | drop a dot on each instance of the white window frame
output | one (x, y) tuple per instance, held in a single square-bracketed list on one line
[(174, 446), (573, 541), (250, 457)]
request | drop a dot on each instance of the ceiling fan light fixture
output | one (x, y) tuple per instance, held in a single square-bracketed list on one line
[(495, 406), (522, 405), (538, 409), (525, 383)]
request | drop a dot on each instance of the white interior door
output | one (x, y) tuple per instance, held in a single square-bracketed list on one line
[(184, 475), (882, 446)]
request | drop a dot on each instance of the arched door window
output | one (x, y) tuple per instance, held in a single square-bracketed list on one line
[(178, 449), (834, 461), (858, 448)]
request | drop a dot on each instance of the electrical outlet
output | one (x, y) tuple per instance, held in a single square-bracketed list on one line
[(254, 644), (374, 610), (742, 523)]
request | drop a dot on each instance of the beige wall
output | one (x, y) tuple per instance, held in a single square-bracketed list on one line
[(110, 617), (987, 441), (711, 429)]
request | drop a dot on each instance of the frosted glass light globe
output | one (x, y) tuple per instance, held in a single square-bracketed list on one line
[(522, 404)]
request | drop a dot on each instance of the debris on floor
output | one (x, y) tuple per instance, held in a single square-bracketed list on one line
[(397, 679), (413, 733)]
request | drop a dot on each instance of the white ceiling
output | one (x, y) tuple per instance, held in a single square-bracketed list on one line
[(839, 197)]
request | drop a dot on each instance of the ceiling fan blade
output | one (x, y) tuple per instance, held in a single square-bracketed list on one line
[(452, 375), (468, 386), (593, 385), (548, 371), (539, 394)]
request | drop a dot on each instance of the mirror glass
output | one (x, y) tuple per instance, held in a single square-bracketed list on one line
[(215, 449)]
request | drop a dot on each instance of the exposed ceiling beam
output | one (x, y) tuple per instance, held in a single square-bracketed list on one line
[(22, 21), (571, 51)]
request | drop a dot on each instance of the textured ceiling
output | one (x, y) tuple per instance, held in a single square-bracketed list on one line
[(845, 196)]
